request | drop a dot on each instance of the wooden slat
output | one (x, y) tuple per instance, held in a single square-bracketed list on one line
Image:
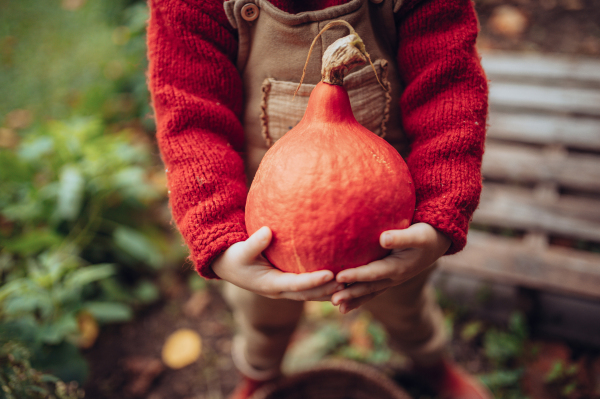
[(551, 99), (553, 102), (499, 64), (580, 133), (519, 208), (520, 163), (510, 261)]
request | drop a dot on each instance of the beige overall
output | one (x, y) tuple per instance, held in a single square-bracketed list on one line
[(273, 46)]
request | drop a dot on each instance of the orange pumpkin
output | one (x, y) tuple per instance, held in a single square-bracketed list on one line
[(329, 187)]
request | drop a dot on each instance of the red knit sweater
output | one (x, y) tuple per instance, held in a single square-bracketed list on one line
[(197, 97)]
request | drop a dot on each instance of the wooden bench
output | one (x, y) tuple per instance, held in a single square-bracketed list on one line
[(538, 223)]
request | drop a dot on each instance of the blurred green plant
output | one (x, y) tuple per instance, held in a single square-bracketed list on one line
[(506, 349), (77, 232), (73, 57), (19, 380), (83, 194), (502, 347)]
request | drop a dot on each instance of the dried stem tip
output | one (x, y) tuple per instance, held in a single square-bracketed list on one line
[(341, 56)]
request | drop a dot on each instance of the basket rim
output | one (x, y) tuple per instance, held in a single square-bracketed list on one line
[(362, 369)]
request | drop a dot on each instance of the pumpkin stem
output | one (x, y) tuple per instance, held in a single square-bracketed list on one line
[(341, 56)]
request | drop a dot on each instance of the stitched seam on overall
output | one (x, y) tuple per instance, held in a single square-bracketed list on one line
[(264, 116)]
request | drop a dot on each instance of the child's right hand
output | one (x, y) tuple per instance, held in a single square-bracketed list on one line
[(243, 265)]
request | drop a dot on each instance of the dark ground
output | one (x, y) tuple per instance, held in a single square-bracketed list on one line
[(125, 362)]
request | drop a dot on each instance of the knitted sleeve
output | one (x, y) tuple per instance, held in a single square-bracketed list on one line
[(197, 98), (444, 109)]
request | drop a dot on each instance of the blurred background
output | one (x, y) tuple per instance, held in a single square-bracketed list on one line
[(97, 297)]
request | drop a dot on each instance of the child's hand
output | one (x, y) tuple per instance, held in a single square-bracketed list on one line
[(243, 265), (413, 250)]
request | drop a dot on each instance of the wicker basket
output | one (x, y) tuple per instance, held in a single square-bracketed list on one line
[(334, 380)]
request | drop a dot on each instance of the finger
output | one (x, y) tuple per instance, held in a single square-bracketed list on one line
[(359, 290), (346, 307), (256, 243), (279, 282), (315, 294), (417, 235), (374, 271), (323, 299)]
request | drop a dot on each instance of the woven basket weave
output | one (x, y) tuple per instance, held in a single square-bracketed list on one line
[(334, 380)]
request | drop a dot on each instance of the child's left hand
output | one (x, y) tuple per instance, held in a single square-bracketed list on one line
[(413, 250)]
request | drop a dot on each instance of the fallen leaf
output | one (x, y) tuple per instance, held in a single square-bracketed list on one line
[(143, 371), (360, 339), (196, 304), (19, 119), (8, 138), (508, 21), (181, 348), (72, 5), (88, 330)]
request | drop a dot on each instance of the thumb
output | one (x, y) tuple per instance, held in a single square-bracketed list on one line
[(257, 242), (416, 235)]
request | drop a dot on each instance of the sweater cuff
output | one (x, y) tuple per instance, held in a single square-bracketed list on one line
[(447, 220), (204, 252)]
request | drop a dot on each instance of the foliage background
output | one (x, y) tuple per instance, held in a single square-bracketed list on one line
[(84, 226)]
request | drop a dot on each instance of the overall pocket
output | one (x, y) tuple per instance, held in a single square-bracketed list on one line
[(280, 111)]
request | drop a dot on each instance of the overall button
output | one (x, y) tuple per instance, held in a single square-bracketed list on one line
[(250, 12)]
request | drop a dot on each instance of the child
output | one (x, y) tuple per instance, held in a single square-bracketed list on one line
[(214, 68)]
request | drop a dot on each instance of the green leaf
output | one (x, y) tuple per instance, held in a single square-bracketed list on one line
[(138, 246), (502, 378), (518, 325), (115, 291), (132, 183), (569, 388), (471, 330), (109, 312), (33, 150), (86, 275), (6, 262), (13, 286), (197, 283), (33, 242), (146, 292), (70, 196), (556, 372), (63, 360), (136, 16), (23, 304), (55, 333), (12, 169), (27, 210), (377, 332), (501, 346), (49, 378), (312, 349), (23, 329)]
